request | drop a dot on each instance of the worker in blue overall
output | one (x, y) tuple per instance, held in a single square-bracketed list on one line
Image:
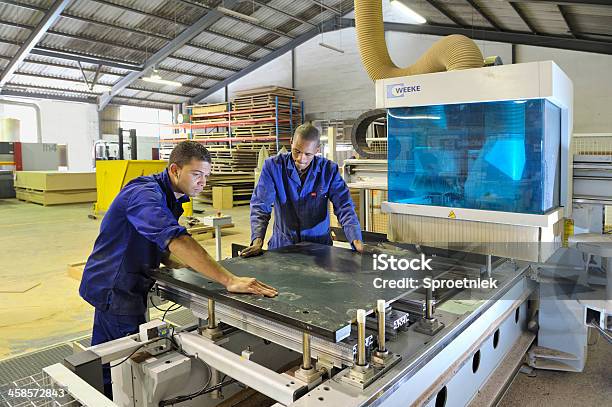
[(300, 185), (138, 232)]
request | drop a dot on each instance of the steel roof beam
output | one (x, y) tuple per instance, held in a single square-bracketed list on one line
[(79, 57), (523, 17), (82, 37), (76, 81), (279, 11), (69, 15), (512, 37), (325, 6), (84, 92), (445, 12), (227, 4), (570, 2), (97, 72), (563, 12), (112, 63), (328, 25), (484, 15), (37, 33), (189, 33)]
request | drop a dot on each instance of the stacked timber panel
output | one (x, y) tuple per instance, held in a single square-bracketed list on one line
[(235, 132), (54, 188)]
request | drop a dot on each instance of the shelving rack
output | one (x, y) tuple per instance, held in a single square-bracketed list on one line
[(235, 132)]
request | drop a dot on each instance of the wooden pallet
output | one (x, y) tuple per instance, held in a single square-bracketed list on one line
[(242, 184), (47, 198), (253, 125), (280, 90), (264, 101), (208, 108), (212, 135)]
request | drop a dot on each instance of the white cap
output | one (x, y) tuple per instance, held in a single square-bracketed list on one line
[(361, 316), (380, 306)]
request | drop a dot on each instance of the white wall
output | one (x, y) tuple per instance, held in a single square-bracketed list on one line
[(330, 82), (217, 97), (275, 73), (73, 124), (592, 77)]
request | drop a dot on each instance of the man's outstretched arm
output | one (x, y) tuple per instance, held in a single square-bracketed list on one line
[(261, 210), (188, 250), (155, 222)]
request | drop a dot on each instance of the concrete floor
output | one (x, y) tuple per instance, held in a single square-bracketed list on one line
[(40, 305), (592, 387), (37, 245)]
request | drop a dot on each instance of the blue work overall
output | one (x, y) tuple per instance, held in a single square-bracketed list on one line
[(301, 210), (135, 232)]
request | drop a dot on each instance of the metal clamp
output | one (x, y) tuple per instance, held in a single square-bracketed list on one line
[(380, 356), (361, 371), (212, 330), (429, 324), (307, 373)]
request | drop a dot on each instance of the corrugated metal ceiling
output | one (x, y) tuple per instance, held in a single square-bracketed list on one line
[(134, 30)]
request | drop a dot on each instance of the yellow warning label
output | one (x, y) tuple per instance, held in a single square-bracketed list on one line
[(568, 230), (452, 215)]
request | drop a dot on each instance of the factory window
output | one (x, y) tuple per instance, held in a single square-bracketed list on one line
[(496, 339), (516, 315), (441, 397), (476, 361), (147, 122), (22, 127)]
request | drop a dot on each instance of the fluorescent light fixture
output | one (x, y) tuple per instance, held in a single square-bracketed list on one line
[(413, 16), (414, 117), (236, 14), (328, 46), (155, 78)]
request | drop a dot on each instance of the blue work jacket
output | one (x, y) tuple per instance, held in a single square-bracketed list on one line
[(301, 211), (136, 230)]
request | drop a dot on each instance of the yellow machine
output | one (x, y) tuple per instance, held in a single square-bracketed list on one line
[(112, 175)]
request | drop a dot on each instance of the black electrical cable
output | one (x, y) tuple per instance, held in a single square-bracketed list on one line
[(170, 309), (181, 399), (178, 399), (170, 338), (131, 354), (204, 390), (165, 311), (155, 306)]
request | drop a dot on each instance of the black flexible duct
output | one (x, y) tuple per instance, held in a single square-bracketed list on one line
[(359, 132)]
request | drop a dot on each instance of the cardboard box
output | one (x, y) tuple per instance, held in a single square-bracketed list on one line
[(223, 197)]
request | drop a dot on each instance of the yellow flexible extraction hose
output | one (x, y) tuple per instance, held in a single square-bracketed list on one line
[(449, 53)]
